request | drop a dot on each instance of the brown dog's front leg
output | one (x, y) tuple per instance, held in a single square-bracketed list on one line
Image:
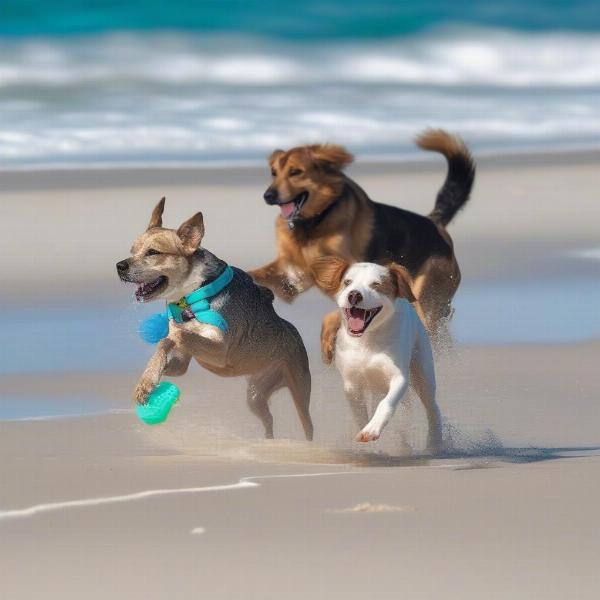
[(153, 372), (276, 279), (329, 329)]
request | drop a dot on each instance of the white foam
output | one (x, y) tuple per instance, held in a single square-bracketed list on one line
[(451, 56), (243, 483), (198, 531), (61, 416), (57, 506), (151, 97), (587, 254), (369, 507)]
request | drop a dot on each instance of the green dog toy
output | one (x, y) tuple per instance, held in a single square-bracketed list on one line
[(159, 405)]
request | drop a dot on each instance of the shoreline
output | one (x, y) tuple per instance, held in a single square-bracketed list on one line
[(124, 174)]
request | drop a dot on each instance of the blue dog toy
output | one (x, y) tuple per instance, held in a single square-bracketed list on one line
[(195, 305), (159, 405), (154, 328)]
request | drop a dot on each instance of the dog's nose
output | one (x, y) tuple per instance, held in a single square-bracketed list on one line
[(122, 266), (354, 297), (270, 196)]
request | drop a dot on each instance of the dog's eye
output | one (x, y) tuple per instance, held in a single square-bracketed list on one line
[(295, 172), (152, 252), (347, 282), (376, 285)]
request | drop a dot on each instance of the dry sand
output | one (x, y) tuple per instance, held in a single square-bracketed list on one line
[(509, 512)]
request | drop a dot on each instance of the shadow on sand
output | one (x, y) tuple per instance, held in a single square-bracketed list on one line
[(474, 459)]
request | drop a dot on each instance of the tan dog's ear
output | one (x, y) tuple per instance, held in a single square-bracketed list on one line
[(191, 233), (330, 155), (156, 218), (403, 282), (328, 272)]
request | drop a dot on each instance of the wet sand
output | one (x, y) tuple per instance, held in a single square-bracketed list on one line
[(508, 512)]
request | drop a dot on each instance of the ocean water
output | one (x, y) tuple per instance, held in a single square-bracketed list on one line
[(151, 82), (102, 336)]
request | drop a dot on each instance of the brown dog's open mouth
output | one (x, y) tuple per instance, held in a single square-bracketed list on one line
[(291, 209), (359, 319), (146, 290)]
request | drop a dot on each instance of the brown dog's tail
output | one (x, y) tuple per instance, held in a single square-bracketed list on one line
[(455, 192)]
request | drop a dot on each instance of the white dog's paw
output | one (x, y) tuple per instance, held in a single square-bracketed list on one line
[(368, 434)]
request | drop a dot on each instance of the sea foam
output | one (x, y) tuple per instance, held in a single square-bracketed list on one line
[(155, 97)]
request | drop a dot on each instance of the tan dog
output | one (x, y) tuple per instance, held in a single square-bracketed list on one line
[(170, 264), (325, 213)]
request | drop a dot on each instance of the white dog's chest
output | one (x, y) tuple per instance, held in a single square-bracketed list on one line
[(364, 366)]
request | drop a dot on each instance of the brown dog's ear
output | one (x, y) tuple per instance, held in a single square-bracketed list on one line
[(330, 155), (328, 272), (274, 156), (156, 218), (403, 282), (191, 233)]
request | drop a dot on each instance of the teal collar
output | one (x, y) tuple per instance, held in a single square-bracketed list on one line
[(196, 305)]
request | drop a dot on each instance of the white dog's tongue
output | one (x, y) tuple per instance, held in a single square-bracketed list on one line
[(287, 210), (356, 320)]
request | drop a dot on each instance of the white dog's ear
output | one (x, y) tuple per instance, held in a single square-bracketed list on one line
[(156, 218), (328, 272), (403, 282), (191, 233)]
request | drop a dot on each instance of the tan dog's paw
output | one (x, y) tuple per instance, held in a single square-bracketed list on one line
[(143, 389), (367, 435)]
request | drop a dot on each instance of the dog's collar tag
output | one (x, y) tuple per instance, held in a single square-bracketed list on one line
[(196, 305)]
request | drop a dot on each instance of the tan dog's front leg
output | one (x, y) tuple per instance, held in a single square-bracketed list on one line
[(329, 329), (178, 363), (153, 372), (278, 280)]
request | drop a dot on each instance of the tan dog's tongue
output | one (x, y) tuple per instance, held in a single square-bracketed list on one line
[(287, 210)]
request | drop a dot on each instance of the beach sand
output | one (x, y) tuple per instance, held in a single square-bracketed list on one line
[(99, 506)]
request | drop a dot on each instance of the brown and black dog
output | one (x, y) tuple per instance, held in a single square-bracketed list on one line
[(325, 213)]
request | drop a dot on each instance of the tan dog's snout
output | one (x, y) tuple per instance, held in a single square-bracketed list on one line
[(122, 267)]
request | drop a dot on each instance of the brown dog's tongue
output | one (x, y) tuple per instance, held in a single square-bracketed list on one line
[(287, 210)]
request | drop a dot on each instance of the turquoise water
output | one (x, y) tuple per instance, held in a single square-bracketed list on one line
[(37, 408), (307, 20), (185, 82), (100, 337)]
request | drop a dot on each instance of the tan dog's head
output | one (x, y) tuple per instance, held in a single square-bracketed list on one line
[(162, 260), (365, 292), (306, 180)]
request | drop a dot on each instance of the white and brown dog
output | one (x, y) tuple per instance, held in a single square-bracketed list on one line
[(382, 346)]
